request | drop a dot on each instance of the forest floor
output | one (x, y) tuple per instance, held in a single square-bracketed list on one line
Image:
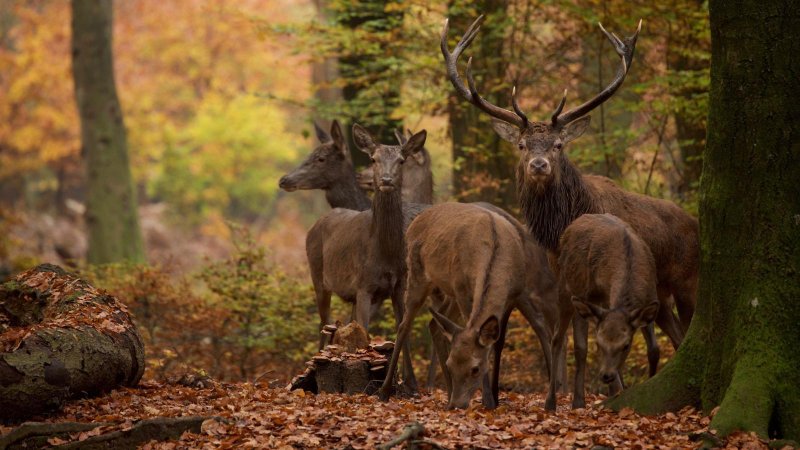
[(250, 415)]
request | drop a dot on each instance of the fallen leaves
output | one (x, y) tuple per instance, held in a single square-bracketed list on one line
[(255, 416)]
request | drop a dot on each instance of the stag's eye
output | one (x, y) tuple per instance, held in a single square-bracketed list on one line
[(474, 371), (372, 160), (558, 145), (321, 159), (521, 146), (402, 161)]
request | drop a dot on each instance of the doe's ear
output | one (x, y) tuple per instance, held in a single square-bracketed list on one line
[(339, 140), (644, 315), (414, 143), (588, 310), (322, 136), (506, 131), (575, 129), (448, 327), (363, 140), (489, 332), (400, 136)]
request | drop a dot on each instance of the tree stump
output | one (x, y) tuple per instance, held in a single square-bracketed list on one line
[(351, 365), (61, 337)]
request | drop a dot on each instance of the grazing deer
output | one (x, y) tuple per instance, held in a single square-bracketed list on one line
[(480, 261), (608, 274), (417, 175), (329, 168), (360, 256), (553, 192)]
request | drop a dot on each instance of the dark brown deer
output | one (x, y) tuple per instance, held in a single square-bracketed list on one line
[(417, 175), (480, 262), (360, 256), (608, 274), (329, 168), (553, 192)]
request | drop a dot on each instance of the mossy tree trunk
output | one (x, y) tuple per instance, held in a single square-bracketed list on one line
[(741, 352), (111, 214)]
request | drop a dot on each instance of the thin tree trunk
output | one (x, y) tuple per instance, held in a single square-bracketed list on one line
[(111, 215), (741, 349)]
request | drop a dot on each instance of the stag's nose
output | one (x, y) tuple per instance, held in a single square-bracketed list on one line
[(609, 377), (539, 165)]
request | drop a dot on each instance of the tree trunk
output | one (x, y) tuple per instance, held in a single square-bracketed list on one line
[(111, 216), (483, 165), (741, 352), (59, 336)]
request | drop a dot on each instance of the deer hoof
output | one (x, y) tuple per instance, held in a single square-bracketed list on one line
[(550, 404)]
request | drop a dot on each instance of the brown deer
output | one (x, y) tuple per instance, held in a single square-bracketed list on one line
[(608, 274), (553, 192), (480, 262), (360, 256), (417, 175), (329, 168)]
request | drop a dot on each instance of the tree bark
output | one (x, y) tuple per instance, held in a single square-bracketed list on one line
[(111, 215), (60, 337), (483, 165), (741, 350)]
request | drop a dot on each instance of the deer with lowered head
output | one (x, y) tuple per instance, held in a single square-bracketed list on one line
[(417, 175), (553, 192), (360, 255), (480, 261), (607, 274)]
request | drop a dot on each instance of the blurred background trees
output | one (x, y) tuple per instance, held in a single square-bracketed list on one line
[(218, 99)]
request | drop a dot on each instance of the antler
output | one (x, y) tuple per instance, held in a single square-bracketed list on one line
[(471, 93), (624, 48)]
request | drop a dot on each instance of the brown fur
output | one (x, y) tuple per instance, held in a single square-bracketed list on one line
[(607, 273), (480, 260), (417, 176), (360, 256)]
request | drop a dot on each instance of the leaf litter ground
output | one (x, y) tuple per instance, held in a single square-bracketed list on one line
[(256, 416)]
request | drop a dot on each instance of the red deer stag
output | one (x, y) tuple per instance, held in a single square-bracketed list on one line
[(360, 256), (607, 273), (480, 262), (553, 192)]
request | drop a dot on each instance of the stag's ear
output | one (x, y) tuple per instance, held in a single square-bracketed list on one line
[(644, 315), (414, 144), (489, 332), (448, 327), (588, 310), (322, 136), (575, 129), (363, 140), (506, 131)]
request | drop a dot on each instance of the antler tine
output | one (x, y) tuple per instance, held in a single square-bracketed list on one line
[(625, 49), (554, 117), (470, 93), (516, 107)]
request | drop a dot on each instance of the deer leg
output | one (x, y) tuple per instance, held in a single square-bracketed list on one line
[(558, 347), (323, 298), (685, 300), (494, 382), (580, 333), (414, 298), (536, 320), (653, 352), (430, 382), (441, 346), (363, 308), (409, 380), (668, 323)]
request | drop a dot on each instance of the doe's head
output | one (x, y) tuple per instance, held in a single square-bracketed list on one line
[(387, 160), (328, 163), (468, 361), (615, 330)]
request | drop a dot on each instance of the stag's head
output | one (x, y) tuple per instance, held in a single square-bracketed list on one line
[(468, 361), (387, 160), (615, 330), (541, 144), (327, 163)]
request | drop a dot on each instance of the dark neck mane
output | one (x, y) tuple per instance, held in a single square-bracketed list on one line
[(549, 210), (345, 193), (387, 225)]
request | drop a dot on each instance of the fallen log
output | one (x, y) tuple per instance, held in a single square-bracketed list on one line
[(61, 337)]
